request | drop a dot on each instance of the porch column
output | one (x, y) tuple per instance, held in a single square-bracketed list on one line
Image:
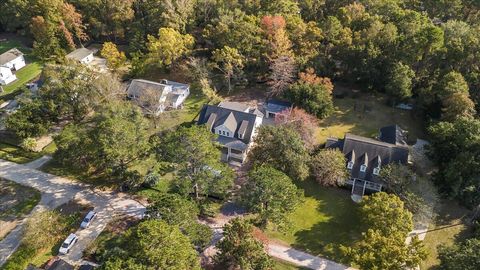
[(353, 186)]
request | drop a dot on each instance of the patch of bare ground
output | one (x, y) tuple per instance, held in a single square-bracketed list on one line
[(16, 201), (73, 207)]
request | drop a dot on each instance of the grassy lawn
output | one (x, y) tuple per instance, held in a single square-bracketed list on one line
[(449, 229), (71, 216), (365, 123), (25, 74), (18, 155), (192, 106), (327, 219), (16, 200), (281, 265)]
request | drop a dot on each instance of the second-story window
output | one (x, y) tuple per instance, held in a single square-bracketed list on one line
[(363, 168)]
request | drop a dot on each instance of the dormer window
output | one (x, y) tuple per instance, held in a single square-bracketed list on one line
[(376, 171), (363, 168), (350, 165)]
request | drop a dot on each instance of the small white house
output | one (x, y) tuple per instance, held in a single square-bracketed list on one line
[(6, 76), (12, 59), (82, 55)]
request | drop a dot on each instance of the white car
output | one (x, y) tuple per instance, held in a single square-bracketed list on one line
[(68, 244), (88, 219)]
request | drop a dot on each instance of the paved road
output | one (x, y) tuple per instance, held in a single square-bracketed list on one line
[(58, 190)]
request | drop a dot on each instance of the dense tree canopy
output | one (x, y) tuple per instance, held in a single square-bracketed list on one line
[(455, 147), (116, 137), (200, 171), (282, 148), (240, 250), (383, 244), (328, 167), (153, 244), (270, 194), (463, 256)]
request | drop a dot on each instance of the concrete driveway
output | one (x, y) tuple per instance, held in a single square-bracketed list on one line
[(57, 191)]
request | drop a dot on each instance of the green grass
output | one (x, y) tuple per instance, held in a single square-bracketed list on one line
[(449, 228), (281, 265), (192, 106), (26, 198), (161, 188), (16, 154), (326, 219), (8, 44), (24, 75), (366, 123)]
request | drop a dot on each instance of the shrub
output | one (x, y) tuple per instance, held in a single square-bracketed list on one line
[(29, 144)]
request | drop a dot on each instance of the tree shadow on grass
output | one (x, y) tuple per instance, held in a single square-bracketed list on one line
[(342, 225)]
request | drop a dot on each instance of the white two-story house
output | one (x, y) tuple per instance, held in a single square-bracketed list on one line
[(156, 97), (236, 126)]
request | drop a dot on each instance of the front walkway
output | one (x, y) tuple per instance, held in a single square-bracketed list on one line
[(57, 191)]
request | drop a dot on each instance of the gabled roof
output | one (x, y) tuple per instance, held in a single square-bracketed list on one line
[(225, 116), (79, 54), (229, 122), (61, 265), (236, 106), (9, 55), (138, 86), (393, 134), (369, 152)]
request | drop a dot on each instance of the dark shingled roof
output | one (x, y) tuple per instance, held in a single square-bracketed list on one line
[(61, 265), (369, 152), (231, 118), (393, 134)]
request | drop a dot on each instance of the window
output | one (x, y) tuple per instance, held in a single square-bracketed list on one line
[(376, 171), (219, 132), (363, 168), (350, 165), (240, 136), (228, 133), (223, 132)]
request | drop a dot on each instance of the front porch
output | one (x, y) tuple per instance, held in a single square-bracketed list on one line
[(233, 155), (359, 186)]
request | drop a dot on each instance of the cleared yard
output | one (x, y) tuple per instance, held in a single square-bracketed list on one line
[(365, 115), (326, 219), (450, 228), (16, 201)]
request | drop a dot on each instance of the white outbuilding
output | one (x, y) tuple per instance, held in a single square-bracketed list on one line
[(82, 55), (12, 59)]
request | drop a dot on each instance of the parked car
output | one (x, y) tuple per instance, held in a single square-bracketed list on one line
[(88, 219), (68, 244)]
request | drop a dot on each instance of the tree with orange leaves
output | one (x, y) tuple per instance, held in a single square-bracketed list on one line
[(279, 55)]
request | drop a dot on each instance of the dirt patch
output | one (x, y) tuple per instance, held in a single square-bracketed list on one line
[(6, 227), (73, 207), (121, 224)]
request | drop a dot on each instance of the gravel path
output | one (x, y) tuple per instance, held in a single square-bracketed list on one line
[(57, 191)]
